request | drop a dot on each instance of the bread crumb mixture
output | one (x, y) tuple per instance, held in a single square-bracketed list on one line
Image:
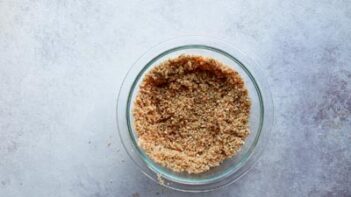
[(191, 113)]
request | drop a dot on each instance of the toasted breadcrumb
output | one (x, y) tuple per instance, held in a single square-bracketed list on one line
[(160, 179), (191, 113)]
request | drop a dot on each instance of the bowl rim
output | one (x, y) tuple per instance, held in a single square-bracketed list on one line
[(168, 47), (150, 163)]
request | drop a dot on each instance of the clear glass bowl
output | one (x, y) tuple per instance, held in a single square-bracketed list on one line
[(261, 116)]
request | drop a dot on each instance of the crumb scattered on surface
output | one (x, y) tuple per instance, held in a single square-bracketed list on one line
[(191, 113), (160, 179), (136, 194)]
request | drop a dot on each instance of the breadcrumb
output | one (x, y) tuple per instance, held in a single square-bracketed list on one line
[(160, 179), (191, 113)]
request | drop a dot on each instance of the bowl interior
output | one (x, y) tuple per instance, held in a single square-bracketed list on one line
[(229, 166)]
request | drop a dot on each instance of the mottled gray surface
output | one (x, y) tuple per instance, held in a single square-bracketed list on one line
[(62, 62)]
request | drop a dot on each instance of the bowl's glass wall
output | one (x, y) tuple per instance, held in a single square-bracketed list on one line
[(261, 117), (256, 116)]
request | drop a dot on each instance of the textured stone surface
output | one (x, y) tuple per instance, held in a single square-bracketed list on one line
[(62, 62)]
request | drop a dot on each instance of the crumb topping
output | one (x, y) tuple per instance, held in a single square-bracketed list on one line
[(191, 113)]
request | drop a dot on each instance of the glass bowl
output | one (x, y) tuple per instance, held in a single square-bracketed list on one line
[(261, 115)]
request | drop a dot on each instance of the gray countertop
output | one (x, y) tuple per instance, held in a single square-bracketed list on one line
[(62, 63)]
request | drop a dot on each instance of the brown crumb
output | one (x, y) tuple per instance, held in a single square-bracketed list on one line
[(191, 113), (160, 179), (136, 194)]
